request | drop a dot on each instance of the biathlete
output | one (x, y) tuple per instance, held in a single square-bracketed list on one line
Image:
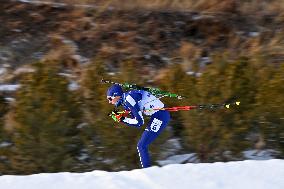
[(140, 102)]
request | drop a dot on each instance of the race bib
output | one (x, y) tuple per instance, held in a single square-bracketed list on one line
[(156, 124)]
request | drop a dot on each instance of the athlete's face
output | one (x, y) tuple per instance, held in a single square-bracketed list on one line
[(113, 100)]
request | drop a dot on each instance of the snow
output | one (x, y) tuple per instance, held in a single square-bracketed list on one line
[(179, 159), (197, 74), (254, 34), (9, 99), (43, 2), (73, 86), (3, 71), (81, 59), (14, 87), (111, 73), (9, 87), (24, 70), (199, 17), (205, 60), (16, 30), (232, 175), (4, 55), (5, 144), (55, 4), (260, 154), (171, 147)]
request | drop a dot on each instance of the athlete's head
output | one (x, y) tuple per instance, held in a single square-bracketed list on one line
[(114, 93)]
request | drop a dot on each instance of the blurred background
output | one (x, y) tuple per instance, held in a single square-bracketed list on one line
[(53, 54)]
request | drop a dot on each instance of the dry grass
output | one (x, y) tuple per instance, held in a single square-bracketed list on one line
[(120, 34), (249, 6)]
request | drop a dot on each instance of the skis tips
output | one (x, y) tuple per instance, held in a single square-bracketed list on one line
[(236, 103)]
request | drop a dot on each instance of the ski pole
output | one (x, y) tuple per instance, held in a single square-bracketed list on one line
[(200, 107), (115, 114)]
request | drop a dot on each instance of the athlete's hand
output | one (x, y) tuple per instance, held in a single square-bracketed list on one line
[(117, 117)]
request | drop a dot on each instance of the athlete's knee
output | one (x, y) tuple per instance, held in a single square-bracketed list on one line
[(142, 146)]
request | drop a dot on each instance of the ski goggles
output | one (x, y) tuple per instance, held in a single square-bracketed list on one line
[(110, 98)]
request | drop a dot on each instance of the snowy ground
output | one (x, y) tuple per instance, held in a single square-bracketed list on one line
[(268, 174)]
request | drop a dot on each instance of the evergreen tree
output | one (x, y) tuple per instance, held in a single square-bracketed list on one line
[(47, 114), (270, 109), (214, 134), (243, 86), (5, 142)]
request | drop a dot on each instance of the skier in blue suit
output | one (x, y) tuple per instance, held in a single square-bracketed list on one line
[(137, 101)]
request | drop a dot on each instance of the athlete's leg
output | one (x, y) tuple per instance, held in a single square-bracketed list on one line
[(158, 122)]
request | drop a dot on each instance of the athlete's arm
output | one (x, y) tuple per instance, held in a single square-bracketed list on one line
[(132, 102)]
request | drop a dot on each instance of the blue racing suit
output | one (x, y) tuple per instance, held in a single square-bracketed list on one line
[(137, 101)]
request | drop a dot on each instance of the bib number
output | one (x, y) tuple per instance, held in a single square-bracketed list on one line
[(156, 124)]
